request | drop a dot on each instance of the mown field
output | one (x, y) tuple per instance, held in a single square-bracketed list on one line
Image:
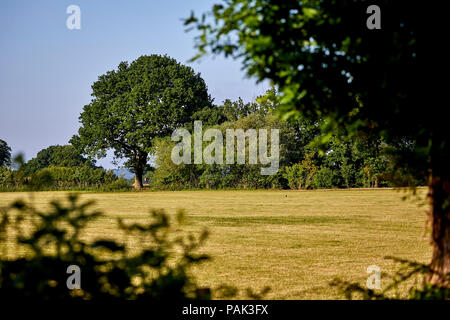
[(295, 242)]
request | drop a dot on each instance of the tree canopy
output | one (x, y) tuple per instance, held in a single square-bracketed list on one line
[(147, 98), (324, 59), (56, 156)]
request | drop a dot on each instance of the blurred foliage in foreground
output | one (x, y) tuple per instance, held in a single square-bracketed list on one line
[(411, 275), (47, 243)]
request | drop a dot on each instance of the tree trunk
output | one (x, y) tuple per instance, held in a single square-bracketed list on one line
[(439, 197), (138, 179), (139, 164)]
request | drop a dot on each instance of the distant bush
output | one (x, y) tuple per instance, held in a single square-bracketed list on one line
[(5, 177), (120, 184), (294, 175), (325, 178), (168, 175), (11, 180), (300, 175), (60, 178)]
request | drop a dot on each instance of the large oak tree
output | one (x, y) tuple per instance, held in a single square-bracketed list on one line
[(136, 103), (326, 62)]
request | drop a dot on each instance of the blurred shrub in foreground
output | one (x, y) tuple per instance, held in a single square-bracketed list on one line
[(36, 249)]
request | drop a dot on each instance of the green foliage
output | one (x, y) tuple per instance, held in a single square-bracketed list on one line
[(11, 179), (294, 175), (57, 156), (120, 184), (45, 243), (358, 161), (325, 178), (210, 116), (300, 175), (327, 64), (320, 53), (230, 111), (168, 175), (5, 177), (138, 102), (344, 160), (5, 154), (62, 178), (413, 174)]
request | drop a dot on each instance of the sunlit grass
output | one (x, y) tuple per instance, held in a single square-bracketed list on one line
[(295, 242)]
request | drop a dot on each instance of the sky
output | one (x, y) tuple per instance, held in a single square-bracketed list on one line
[(46, 69)]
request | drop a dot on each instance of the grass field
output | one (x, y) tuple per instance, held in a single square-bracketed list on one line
[(295, 242)]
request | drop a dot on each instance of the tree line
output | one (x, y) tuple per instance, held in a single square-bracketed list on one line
[(345, 160), (56, 168), (136, 107)]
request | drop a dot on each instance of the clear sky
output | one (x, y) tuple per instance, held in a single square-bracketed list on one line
[(46, 70)]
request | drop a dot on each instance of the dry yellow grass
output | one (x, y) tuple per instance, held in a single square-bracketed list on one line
[(295, 242)]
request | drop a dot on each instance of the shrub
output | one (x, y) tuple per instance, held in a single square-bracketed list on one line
[(212, 177), (325, 178), (294, 175), (300, 175), (5, 177), (120, 184), (11, 180), (41, 180), (39, 260)]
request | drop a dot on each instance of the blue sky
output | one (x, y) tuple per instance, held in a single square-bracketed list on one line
[(46, 70)]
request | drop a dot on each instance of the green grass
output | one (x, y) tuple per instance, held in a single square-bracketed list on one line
[(295, 242)]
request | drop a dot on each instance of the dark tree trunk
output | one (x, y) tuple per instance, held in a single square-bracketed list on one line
[(138, 172), (439, 197), (139, 164)]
